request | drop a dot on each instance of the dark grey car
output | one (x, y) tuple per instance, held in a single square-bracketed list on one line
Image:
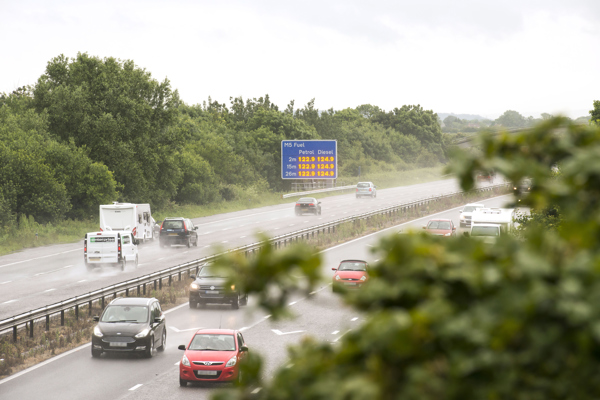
[(178, 231), (308, 205), (211, 288)]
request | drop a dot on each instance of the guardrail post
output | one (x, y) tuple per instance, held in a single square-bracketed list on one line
[(90, 308), (14, 333), (47, 322), (102, 302), (62, 317), (138, 290), (76, 311), (31, 329), (144, 286), (127, 292), (179, 276), (170, 280)]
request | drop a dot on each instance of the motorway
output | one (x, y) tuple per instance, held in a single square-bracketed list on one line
[(37, 277), (77, 375)]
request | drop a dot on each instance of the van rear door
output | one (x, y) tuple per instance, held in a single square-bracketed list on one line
[(103, 248)]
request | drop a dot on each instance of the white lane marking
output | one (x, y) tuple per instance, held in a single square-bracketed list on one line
[(256, 390), (370, 245), (292, 303), (136, 386), (275, 229), (139, 265), (183, 253), (224, 241), (335, 332), (183, 330), (243, 329), (278, 332), (324, 287), (49, 290), (5, 282), (292, 224), (226, 229), (341, 336), (84, 280), (354, 319), (206, 246), (162, 258), (10, 301), (241, 237), (54, 270), (377, 260), (259, 232), (177, 363), (38, 258), (333, 215)]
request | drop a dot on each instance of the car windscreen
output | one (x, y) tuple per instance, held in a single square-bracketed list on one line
[(208, 271), (438, 225), (363, 185), (306, 200), (470, 208), (216, 342), (173, 224), (485, 231), (122, 313), (353, 266)]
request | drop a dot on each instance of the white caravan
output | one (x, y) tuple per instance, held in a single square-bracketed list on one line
[(136, 218), (489, 223), (115, 248)]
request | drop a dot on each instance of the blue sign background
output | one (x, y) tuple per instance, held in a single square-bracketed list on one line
[(308, 159)]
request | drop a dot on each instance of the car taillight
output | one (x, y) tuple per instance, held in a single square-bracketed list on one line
[(161, 226), (311, 204), (184, 228), (297, 204), (134, 231), (85, 247), (101, 230), (357, 189), (370, 189)]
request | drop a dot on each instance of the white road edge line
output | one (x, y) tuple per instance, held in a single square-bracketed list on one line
[(135, 387)]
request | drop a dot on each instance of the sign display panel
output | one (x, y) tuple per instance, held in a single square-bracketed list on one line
[(308, 159)]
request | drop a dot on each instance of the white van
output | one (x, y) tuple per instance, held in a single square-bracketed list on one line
[(136, 218), (490, 223), (115, 248), (467, 213)]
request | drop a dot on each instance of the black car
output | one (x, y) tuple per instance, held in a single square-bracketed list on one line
[(210, 287), (178, 231), (308, 205), (130, 325)]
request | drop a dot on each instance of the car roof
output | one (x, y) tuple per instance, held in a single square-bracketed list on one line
[(174, 218), (306, 198), (216, 331), (353, 261), (366, 182), (132, 301), (475, 204), (440, 219)]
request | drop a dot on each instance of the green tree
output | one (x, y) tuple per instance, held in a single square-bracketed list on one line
[(511, 119), (456, 319), (595, 113), (118, 112)]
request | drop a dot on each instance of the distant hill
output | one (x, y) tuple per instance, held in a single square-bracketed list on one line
[(469, 117)]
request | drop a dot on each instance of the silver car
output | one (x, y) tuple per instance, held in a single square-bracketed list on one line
[(366, 189)]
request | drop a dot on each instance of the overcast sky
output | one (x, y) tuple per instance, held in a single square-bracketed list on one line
[(462, 56)]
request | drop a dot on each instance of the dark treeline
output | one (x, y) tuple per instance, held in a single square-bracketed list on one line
[(95, 130)]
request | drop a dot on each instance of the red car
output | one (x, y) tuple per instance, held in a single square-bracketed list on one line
[(440, 227), (213, 355), (350, 274)]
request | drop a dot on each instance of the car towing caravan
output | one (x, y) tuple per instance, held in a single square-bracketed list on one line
[(136, 218), (114, 248), (490, 223)]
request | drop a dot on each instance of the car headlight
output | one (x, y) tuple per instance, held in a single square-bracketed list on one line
[(462, 217), (448, 234), (195, 286), (514, 188), (231, 361), (185, 361), (363, 278), (232, 287), (337, 277), (97, 331), (143, 333)]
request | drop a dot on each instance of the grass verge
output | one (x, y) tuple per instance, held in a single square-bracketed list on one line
[(27, 351)]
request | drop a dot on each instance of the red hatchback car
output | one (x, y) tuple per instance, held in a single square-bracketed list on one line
[(351, 274), (213, 355), (440, 227)]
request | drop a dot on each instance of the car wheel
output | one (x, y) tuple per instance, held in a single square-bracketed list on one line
[(193, 304), (189, 243), (144, 239), (96, 353), (182, 383), (240, 379), (89, 266), (123, 264), (236, 303), (196, 242), (319, 211), (150, 349), (244, 301), (135, 264), (163, 342)]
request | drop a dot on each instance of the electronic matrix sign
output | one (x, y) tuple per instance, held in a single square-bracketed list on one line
[(308, 159)]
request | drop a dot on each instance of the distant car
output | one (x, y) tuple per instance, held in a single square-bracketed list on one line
[(440, 227), (213, 355), (467, 212), (366, 189), (487, 176), (308, 205), (350, 274), (524, 186), (130, 325), (178, 231), (210, 287)]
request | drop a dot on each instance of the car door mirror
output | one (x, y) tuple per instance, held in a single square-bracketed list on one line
[(181, 347), (192, 276), (453, 228), (244, 348), (195, 228), (158, 320), (424, 226), (466, 233), (96, 318), (334, 269)]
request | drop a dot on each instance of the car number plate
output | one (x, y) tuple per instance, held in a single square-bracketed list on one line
[(350, 283), (212, 292), (118, 344), (206, 372), (94, 258), (172, 234), (304, 209)]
